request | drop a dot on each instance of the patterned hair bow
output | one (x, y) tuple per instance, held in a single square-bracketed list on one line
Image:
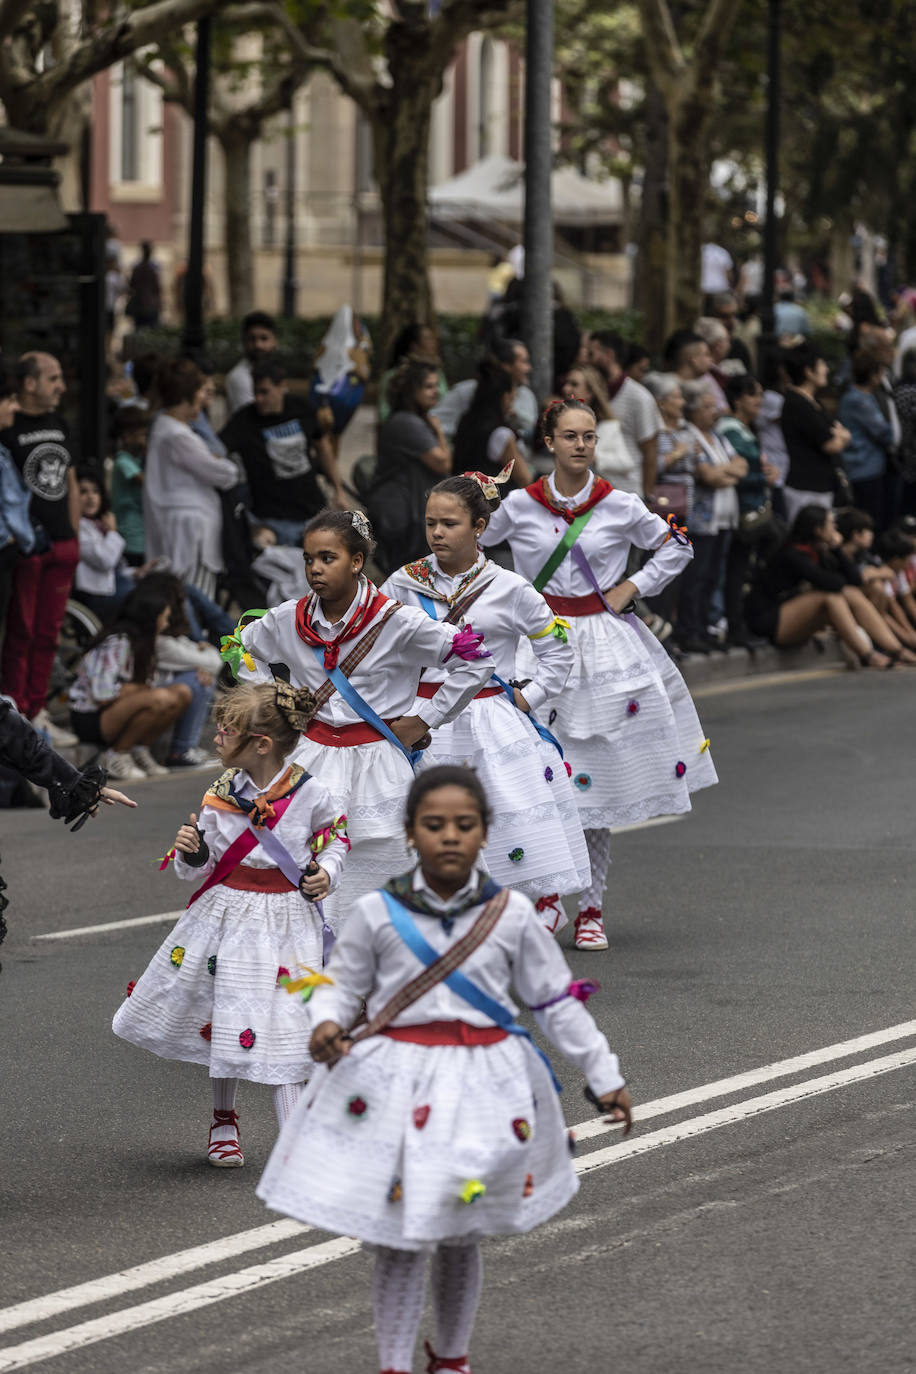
[(296, 704), (490, 485), (360, 523), (677, 532)]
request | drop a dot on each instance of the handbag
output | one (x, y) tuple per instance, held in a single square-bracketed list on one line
[(671, 497), (752, 523)]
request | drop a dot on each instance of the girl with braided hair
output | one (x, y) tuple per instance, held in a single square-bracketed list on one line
[(536, 840), (625, 719), (268, 846)]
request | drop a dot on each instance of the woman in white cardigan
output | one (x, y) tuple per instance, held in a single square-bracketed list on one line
[(182, 479)]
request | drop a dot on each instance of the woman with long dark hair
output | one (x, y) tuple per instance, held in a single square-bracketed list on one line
[(112, 702), (413, 454), (485, 439)]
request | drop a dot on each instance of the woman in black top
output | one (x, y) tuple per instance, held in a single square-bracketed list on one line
[(814, 441), (810, 583)]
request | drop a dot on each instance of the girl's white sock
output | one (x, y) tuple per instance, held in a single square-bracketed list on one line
[(398, 1294), (285, 1096), (599, 856), (457, 1282)]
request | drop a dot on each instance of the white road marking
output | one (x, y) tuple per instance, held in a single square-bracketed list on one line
[(175, 1305), (244, 1280), (112, 925), (782, 1068), (648, 825), (741, 1111), (142, 1275)]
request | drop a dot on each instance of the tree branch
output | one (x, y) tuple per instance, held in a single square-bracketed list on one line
[(665, 54), (712, 38), (360, 86)]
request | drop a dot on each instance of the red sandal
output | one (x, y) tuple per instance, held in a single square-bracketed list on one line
[(225, 1154), (438, 1362)]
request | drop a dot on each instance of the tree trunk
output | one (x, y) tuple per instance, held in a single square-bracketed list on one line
[(236, 143), (688, 161), (653, 224), (401, 148)]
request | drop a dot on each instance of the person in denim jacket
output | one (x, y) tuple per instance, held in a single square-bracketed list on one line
[(16, 533)]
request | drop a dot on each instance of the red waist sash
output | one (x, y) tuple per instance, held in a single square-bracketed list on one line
[(429, 689), (446, 1033), (575, 605), (342, 736), (247, 879)]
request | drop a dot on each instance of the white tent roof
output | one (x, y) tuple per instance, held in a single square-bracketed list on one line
[(494, 188)]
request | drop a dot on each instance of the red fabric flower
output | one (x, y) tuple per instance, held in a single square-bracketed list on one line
[(247, 1038), (131, 985), (420, 1117), (680, 769), (357, 1106), (206, 1032)]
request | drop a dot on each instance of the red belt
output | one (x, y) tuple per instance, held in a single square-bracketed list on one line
[(576, 605), (429, 689), (342, 736), (247, 879), (447, 1033)]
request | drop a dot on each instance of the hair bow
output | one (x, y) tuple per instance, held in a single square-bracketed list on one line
[(490, 485), (360, 523), (296, 704)]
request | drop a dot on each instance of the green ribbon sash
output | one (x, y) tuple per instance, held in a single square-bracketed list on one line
[(562, 549)]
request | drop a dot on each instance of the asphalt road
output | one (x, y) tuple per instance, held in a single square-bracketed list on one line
[(764, 1224)]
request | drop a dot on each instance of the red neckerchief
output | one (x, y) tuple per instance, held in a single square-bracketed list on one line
[(368, 608), (541, 492)]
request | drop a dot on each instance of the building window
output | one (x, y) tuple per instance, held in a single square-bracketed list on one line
[(130, 126), (485, 100)]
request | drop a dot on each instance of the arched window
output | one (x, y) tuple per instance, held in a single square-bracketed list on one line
[(485, 111)]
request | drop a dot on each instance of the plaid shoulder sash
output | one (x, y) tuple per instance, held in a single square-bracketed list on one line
[(356, 655)]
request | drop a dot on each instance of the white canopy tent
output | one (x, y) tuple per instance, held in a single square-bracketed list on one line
[(493, 189)]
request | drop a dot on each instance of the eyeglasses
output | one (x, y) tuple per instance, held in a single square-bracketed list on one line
[(223, 734)]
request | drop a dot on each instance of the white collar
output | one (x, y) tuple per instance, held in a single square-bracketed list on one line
[(336, 626), (246, 782), (581, 495), (419, 884), (450, 580)]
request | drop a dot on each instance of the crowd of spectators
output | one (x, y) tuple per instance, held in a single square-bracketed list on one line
[(798, 489)]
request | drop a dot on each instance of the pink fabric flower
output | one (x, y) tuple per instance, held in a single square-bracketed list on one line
[(466, 644)]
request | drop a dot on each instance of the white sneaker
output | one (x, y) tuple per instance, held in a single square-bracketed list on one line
[(120, 767), (194, 758), (144, 760), (56, 735)]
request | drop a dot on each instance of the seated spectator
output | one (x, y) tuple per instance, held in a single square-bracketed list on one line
[(905, 404), (789, 318), (414, 341), (131, 433), (17, 537), (181, 507), (717, 471), (100, 581), (485, 441), (112, 702), (259, 340), (512, 356), (871, 437), (758, 534), (343, 366), (718, 341), (413, 454), (813, 440), (185, 657), (884, 571), (810, 583), (277, 441)]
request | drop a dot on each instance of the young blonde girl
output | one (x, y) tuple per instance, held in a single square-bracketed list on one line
[(212, 993)]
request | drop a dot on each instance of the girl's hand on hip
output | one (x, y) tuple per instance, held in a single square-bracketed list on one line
[(329, 1041)]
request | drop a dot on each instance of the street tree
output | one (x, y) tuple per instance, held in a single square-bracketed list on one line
[(254, 77)]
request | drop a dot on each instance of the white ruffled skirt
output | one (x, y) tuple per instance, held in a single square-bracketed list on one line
[(210, 993), (535, 842), (628, 725), (384, 1146)]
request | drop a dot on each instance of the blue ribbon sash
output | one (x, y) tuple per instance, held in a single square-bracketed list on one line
[(363, 709), (457, 982)]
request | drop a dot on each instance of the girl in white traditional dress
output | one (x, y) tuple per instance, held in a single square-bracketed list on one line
[(536, 840), (362, 655), (440, 1122), (211, 993), (625, 719)]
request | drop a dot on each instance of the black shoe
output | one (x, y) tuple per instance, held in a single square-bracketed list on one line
[(694, 646)]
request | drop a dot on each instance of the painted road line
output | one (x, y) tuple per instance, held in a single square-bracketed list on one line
[(743, 1111), (142, 1275), (170, 1266), (112, 925), (786, 678), (783, 1068), (245, 1280), (175, 1305)]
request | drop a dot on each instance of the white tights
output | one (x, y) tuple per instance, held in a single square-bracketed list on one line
[(285, 1096), (398, 1293), (599, 855)]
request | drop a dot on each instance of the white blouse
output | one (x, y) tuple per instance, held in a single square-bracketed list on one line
[(620, 521), (371, 961), (508, 608), (182, 514), (310, 811), (388, 676)]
